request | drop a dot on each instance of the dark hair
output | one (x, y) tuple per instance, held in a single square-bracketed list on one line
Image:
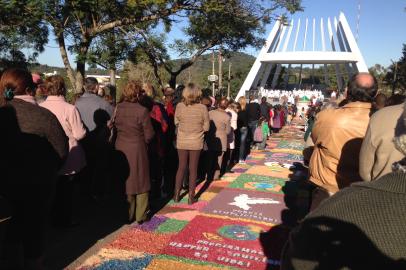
[(358, 92), (147, 102), (223, 103), (90, 84), (55, 86), (206, 101), (261, 120), (19, 81)]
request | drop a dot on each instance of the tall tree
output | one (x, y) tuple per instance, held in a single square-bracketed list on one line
[(228, 24), (80, 22), (21, 27), (379, 72), (109, 51), (396, 75)]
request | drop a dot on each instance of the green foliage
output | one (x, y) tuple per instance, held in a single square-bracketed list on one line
[(86, 22), (231, 25), (21, 27), (109, 50), (399, 68)]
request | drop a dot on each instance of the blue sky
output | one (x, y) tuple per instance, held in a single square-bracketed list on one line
[(382, 29)]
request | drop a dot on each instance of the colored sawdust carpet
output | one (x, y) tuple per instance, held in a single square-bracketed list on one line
[(239, 222)]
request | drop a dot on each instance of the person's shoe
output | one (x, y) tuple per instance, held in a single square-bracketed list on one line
[(241, 161), (176, 197), (191, 200), (164, 194)]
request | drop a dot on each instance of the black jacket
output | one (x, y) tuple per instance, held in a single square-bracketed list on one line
[(254, 111)]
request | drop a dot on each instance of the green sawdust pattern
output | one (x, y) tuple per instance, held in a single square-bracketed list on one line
[(290, 145), (171, 226), (245, 178)]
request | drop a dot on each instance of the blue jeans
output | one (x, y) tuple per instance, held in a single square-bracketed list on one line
[(252, 126), (243, 142)]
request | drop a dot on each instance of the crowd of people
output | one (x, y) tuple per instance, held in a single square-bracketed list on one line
[(293, 96), (156, 143), (160, 145), (356, 159)]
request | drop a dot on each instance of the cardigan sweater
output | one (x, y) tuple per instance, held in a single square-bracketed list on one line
[(192, 122), (35, 120)]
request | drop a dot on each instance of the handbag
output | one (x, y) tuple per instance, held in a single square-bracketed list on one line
[(113, 130), (258, 136)]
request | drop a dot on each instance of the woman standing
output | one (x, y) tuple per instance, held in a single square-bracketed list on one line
[(242, 125), (216, 139), (69, 118), (134, 131), (277, 125), (232, 110), (33, 147), (192, 121), (157, 148)]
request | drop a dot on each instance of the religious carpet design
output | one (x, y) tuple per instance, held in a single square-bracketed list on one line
[(239, 222)]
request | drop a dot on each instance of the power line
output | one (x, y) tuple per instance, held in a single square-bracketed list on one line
[(53, 47), (358, 20)]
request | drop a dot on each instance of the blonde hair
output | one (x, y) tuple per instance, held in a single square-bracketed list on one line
[(191, 94), (151, 91), (243, 102)]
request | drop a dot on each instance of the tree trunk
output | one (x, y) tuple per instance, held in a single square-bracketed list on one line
[(157, 77), (81, 65), (80, 76), (64, 55), (113, 89), (172, 80), (112, 72)]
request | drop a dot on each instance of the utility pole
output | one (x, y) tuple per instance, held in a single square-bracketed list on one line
[(213, 72), (394, 77), (229, 80), (220, 71)]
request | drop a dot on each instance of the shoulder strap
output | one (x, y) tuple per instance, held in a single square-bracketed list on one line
[(113, 118)]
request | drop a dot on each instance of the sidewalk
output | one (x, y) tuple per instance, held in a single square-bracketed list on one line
[(240, 222)]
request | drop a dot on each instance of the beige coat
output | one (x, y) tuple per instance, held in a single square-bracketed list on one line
[(337, 135), (191, 122), (378, 152), (220, 127)]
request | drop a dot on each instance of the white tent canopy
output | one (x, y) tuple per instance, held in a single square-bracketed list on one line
[(281, 48)]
